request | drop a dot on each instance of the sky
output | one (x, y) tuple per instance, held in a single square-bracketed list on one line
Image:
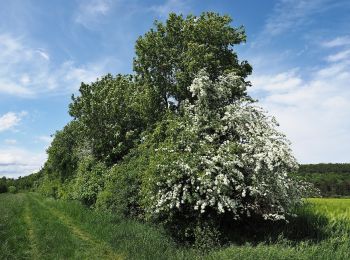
[(299, 50)]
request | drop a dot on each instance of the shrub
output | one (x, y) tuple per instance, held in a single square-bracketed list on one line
[(122, 189), (12, 189), (50, 187), (222, 157), (89, 181)]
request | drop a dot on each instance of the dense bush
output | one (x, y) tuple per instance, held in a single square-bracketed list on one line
[(50, 187), (122, 188), (12, 189), (89, 181)]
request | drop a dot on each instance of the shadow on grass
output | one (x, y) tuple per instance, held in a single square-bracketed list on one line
[(305, 226)]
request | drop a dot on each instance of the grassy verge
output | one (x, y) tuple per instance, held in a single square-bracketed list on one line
[(33, 227)]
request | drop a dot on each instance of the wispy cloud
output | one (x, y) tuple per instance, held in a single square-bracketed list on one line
[(90, 12), (339, 41), (289, 15), (10, 120), (27, 71), (342, 55), (170, 6)]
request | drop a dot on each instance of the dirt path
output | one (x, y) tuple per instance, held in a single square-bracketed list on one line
[(93, 243)]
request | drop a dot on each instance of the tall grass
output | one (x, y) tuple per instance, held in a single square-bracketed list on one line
[(13, 230)]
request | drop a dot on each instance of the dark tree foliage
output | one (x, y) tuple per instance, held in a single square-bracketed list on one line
[(332, 179), (169, 56), (25, 183), (3, 185), (325, 168)]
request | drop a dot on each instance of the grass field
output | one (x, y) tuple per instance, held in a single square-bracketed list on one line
[(32, 227)]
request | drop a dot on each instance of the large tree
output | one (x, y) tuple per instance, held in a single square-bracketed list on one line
[(113, 111), (63, 153), (169, 56)]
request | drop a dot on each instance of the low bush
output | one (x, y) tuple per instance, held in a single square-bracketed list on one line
[(12, 189)]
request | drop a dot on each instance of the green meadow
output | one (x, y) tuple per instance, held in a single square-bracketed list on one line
[(34, 227)]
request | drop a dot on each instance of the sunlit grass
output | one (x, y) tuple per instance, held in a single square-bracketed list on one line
[(333, 208)]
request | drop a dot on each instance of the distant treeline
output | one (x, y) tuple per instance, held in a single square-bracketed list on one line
[(332, 179), (324, 168), (26, 183)]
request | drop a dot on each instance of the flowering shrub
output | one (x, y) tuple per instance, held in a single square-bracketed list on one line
[(223, 155)]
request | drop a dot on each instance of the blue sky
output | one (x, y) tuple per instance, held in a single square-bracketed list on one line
[(299, 50)]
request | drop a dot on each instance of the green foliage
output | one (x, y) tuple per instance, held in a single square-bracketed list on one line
[(122, 189), (12, 189), (111, 111), (169, 56), (89, 181), (65, 151), (50, 187)]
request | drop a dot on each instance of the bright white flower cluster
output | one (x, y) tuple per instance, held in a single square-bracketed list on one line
[(228, 157)]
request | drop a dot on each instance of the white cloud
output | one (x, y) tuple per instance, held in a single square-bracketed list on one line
[(339, 41), (90, 12), (313, 111), (170, 6), (12, 88), (45, 139), (27, 71), (339, 56), (43, 54), (291, 14), (282, 82), (10, 120), (15, 162)]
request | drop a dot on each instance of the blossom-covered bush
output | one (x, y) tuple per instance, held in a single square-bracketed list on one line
[(222, 156)]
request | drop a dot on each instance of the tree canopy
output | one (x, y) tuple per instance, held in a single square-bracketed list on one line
[(169, 56)]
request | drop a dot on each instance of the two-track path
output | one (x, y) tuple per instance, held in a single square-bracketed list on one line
[(85, 245)]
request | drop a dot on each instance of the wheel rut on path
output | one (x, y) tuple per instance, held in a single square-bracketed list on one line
[(107, 251), (35, 253)]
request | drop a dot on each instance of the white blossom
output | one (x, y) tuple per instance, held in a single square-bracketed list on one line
[(232, 150)]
